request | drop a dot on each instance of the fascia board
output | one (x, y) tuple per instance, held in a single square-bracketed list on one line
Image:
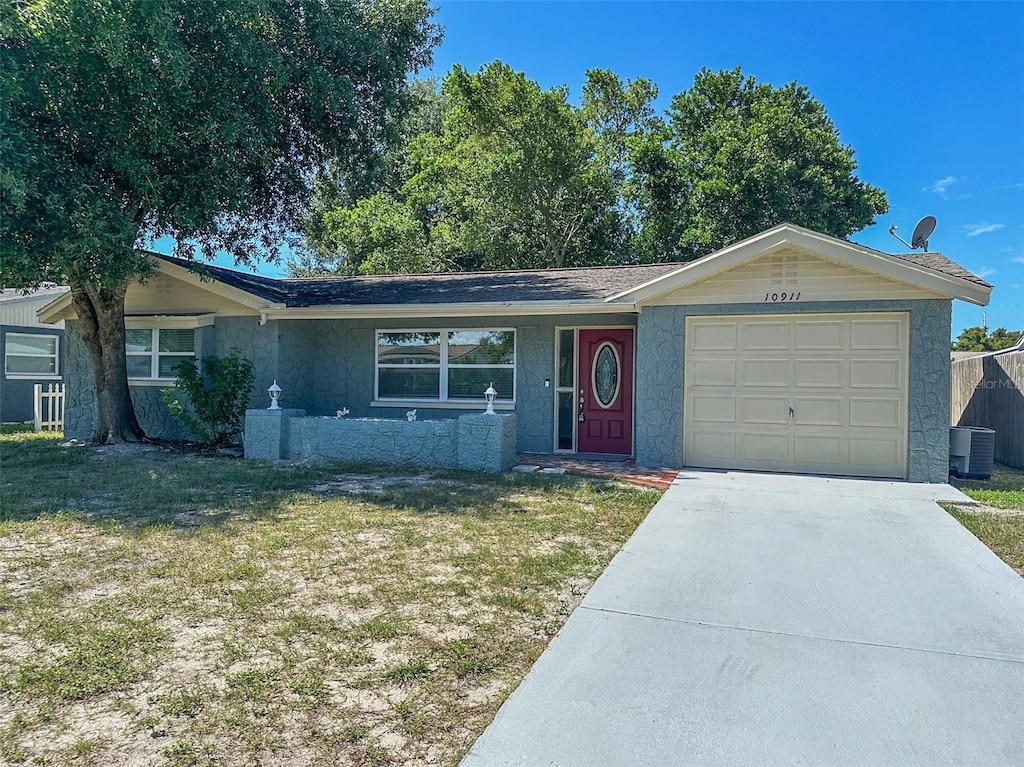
[(501, 309), (55, 310)]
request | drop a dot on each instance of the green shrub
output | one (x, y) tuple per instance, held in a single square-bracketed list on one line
[(217, 397)]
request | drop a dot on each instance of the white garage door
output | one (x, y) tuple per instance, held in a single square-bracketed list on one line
[(809, 393)]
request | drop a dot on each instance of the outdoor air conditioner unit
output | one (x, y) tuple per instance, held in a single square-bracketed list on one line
[(971, 451)]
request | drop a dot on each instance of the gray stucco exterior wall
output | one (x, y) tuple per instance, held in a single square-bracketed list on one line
[(325, 365), (80, 397), (659, 379)]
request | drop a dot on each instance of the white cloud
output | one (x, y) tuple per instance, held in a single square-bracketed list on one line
[(941, 185), (986, 271), (973, 230), (1019, 259)]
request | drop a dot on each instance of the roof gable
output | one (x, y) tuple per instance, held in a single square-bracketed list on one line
[(930, 272), (788, 274)]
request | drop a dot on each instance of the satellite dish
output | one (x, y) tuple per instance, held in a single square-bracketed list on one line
[(922, 232)]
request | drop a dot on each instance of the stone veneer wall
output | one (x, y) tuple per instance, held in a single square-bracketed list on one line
[(659, 385)]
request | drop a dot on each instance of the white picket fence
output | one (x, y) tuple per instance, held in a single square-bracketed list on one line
[(49, 407)]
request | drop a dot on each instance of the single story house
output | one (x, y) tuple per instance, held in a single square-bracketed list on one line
[(32, 351), (789, 351)]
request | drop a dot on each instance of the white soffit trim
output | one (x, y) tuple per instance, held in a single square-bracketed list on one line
[(170, 321), (821, 245), (491, 309)]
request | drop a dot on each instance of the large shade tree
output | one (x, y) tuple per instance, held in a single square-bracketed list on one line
[(742, 156), (502, 174), (506, 174), (206, 120)]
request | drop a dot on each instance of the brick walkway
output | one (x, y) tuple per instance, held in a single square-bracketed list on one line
[(625, 470)]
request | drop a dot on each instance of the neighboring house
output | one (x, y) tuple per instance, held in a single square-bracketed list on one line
[(32, 351), (788, 351)]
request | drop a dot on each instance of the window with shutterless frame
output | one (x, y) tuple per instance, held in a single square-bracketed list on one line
[(31, 355), (155, 353), (445, 364)]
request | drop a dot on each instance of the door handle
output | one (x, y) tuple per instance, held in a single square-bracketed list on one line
[(792, 414)]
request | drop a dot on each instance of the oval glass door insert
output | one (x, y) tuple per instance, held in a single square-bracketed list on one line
[(606, 375)]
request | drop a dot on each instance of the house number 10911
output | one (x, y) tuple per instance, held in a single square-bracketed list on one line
[(779, 297)]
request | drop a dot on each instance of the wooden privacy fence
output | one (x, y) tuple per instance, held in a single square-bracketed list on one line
[(49, 407), (989, 391)]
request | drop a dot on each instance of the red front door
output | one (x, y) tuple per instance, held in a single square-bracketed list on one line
[(604, 396)]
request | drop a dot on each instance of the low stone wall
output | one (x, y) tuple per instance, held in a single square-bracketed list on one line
[(478, 442)]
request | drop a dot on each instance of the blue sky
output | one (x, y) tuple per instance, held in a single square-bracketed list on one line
[(929, 95)]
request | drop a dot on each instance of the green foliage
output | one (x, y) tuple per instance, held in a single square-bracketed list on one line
[(376, 235), (217, 397), (504, 174), (977, 339), (508, 175), (205, 120), (192, 118), (745, 156)]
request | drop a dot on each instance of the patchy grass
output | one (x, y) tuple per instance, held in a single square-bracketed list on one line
[(998, 520), (167, 609)]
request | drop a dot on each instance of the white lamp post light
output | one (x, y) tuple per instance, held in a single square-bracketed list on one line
[(275, 395), (490, 395)]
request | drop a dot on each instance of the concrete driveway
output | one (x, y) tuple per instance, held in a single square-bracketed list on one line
[(781, 620)]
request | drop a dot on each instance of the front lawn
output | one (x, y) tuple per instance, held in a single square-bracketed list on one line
[(998, 520), (169, 609)]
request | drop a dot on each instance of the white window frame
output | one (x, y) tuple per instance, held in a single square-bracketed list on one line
[(54, 376), (155, 354), (442, 400)]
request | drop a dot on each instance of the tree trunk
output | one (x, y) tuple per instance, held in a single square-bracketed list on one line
[(101, 313)]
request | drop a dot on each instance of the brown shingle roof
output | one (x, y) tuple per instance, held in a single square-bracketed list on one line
[(939, 263)]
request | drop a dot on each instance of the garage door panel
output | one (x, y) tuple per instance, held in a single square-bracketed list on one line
[(764, 336), (844, 375), (874, 451), (822, 449), (713, 372), (876, 411), (764, 446), (765, 410), (761, 373), (818, 411), (876, 335), (712, 445), (825, 334), (711, 408), (876, 374), (819, 373), (713, 337)]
